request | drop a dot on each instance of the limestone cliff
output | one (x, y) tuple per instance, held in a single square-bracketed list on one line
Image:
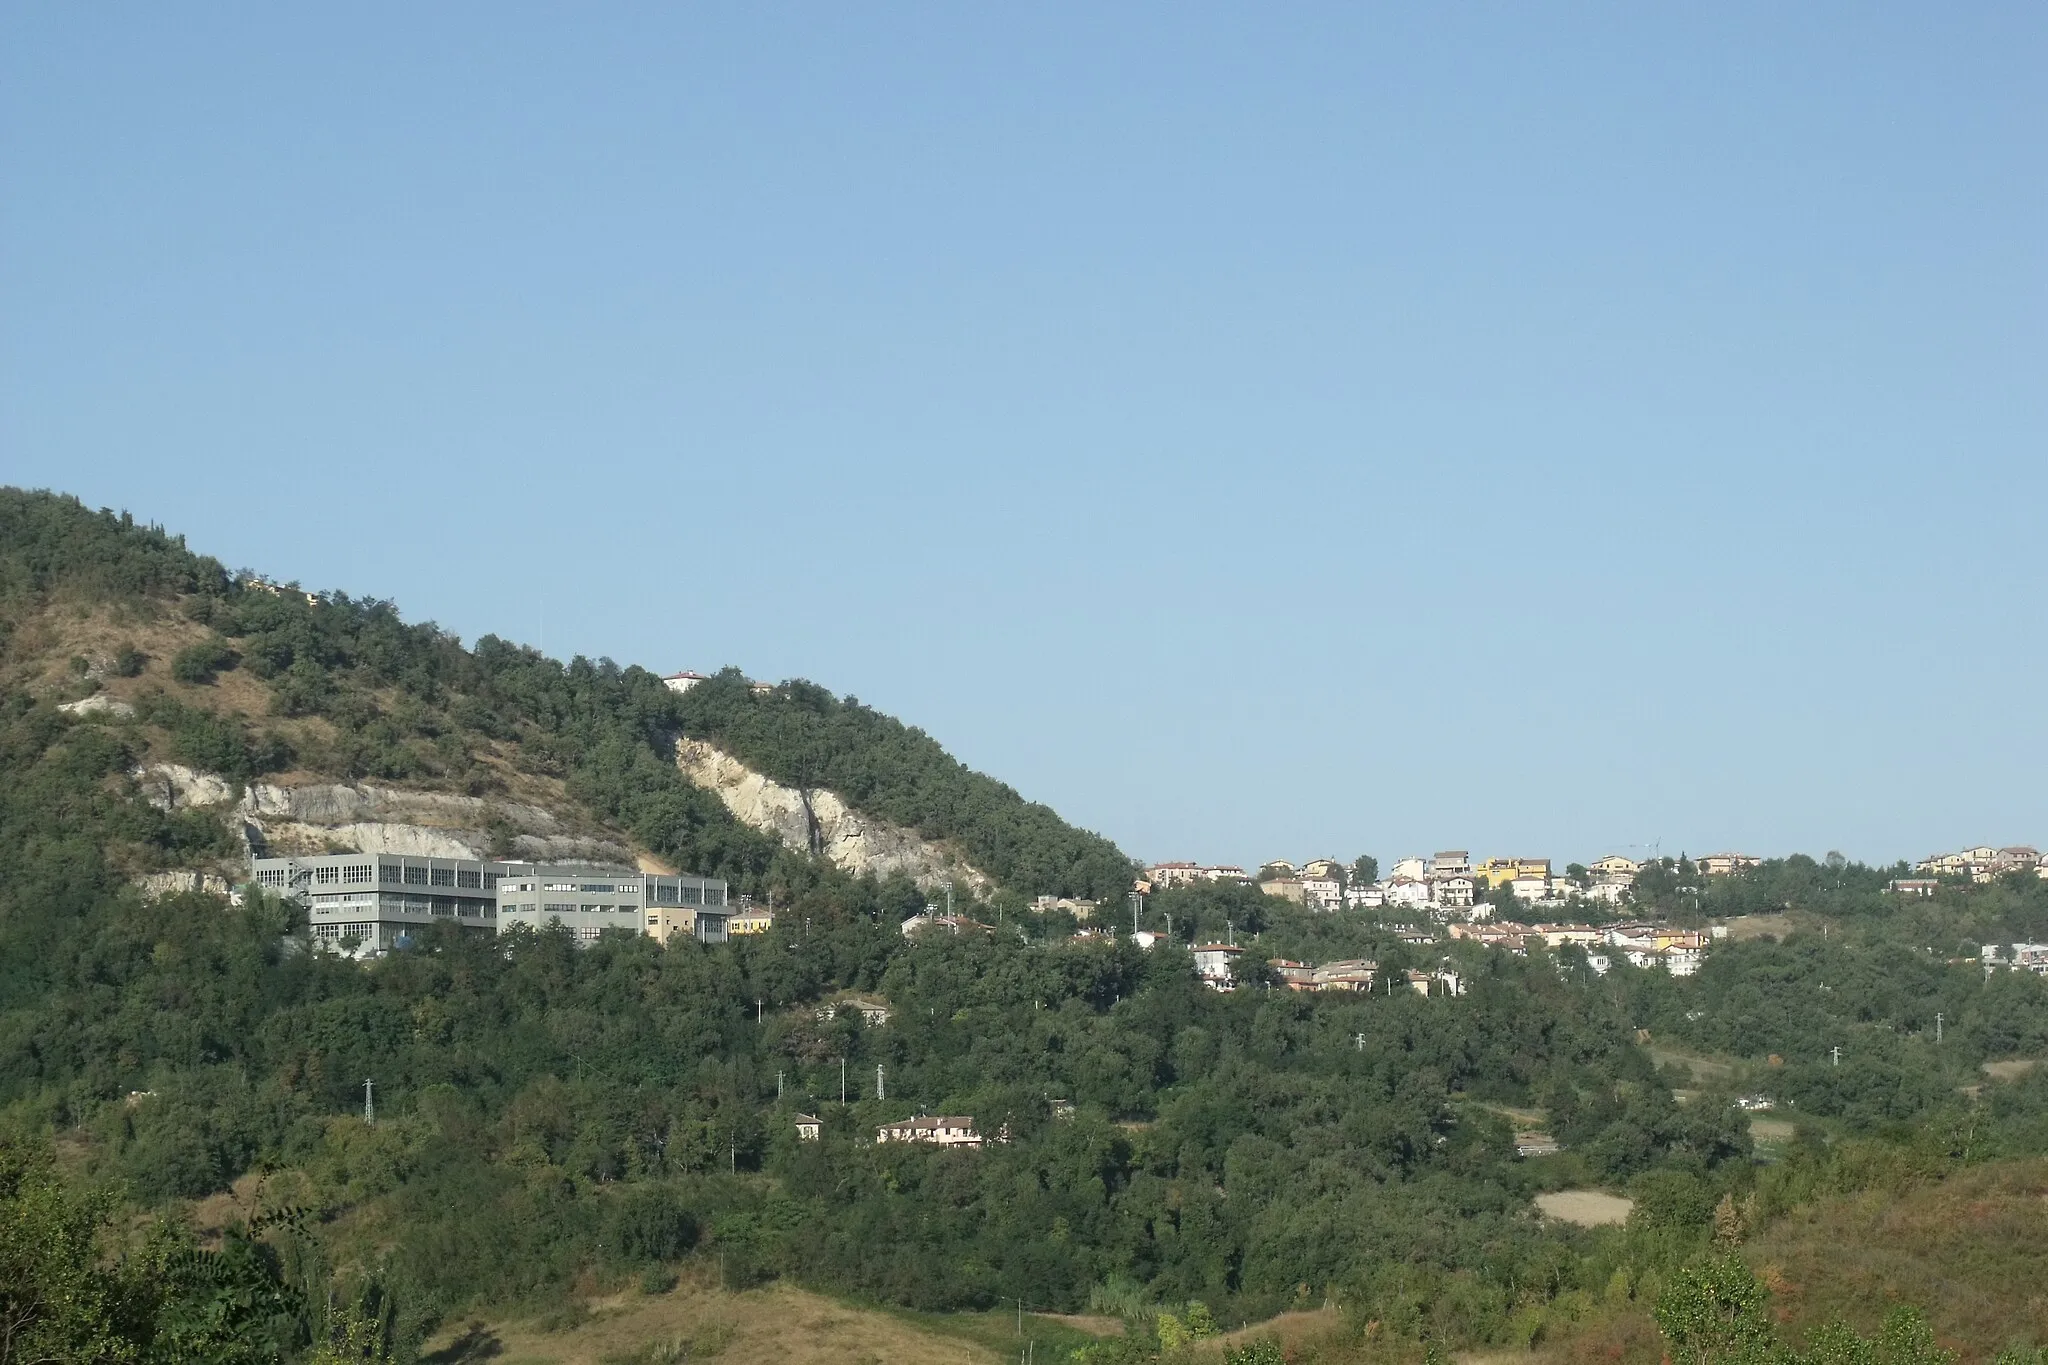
[(818, 821), (279, 819)]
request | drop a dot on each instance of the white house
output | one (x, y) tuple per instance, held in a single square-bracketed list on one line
[(1212, 964), (1453, 892), (945, 1131), (1322, 893), (1415, 868), (809, 1127), (1409, 891), (1363, 897), (682, 682)]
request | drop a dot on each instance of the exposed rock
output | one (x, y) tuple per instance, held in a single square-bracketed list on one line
[(276, 820), (818, 821), (155, 885), (98, 704), (173, 786)]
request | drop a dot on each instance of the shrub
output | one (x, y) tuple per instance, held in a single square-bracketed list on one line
[(200, 664)]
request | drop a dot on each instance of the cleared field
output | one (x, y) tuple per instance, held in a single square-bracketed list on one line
[(1587, 1208), (2012, 1070), (775, 1324), (1771, 1130)]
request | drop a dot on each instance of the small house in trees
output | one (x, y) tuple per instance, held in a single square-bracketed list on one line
[(943, 1131), (1212, 964), (809, 1127)]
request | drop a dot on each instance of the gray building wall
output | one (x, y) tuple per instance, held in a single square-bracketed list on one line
[(380, 902)]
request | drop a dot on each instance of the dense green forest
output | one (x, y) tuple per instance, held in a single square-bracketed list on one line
[(552, 1116)]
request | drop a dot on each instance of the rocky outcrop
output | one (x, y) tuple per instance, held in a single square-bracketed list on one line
[(98, 704), (280, 820), (818, 821), (156, 885)]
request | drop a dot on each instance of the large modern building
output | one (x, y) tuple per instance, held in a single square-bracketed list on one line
[(381, 901), (589, 899)]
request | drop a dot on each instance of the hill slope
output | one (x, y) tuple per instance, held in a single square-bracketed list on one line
[(246, 679)]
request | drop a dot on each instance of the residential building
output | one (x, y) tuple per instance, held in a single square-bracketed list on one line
[(1365, 896), (1614, 865), (1530, 887), (1610, 890), (1406, 891), (1451, 862), (950, 1131), (1352, 974), (751, 919), (1165, 876), (1415, 868), (809, 1127), (952, 924), (1322, 893), (1212, 964), (1295, 976), (1914, 886), (1323, 867), (1722, 864), (1503, 871), (1286, 888), (682, 682), (1453, 893), (1079, 909)]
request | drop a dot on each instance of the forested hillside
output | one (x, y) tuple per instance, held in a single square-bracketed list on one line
[(186, 1174), (344, 687)]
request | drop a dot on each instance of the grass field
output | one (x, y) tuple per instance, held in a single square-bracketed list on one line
[(697, 1321)]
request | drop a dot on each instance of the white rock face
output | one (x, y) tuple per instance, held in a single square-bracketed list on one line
[(853, 842), (279, 820), (97, 704), (158, 884)]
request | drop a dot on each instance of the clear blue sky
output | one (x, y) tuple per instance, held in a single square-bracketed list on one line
[(1256, 431)]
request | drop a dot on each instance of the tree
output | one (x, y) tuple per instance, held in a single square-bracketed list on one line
[(1713, 1314), (1365, 870)]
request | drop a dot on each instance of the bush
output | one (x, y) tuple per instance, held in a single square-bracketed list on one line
[(200, 664), (129, 662)]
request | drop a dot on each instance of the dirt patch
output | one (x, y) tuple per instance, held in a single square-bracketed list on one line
[(1771, 1130), (1587, 1208), (2012, 1070), (1094, 1324), (775, 1324)]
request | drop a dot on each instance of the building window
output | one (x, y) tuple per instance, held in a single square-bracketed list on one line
[(327, 876), (415, 876), (714, 895), (653, 921), (559, 886), (590, 909), (357, 873), (419, 905), (443, 905), (629, 909), (665, 892), (465, 877), (270, 876), (490, 881), (554, 908), (442, 876), (693, 895), (389, 872)]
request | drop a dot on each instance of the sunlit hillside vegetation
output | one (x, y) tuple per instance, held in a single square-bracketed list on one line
[(558, 1125)]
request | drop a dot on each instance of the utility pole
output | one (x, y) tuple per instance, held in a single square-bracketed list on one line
[(1837, 1054), (778, 1085), (757, 1009), (1937, 1026), (842, 1080), (370, 1103), (880, 1094), (1359, 1038)]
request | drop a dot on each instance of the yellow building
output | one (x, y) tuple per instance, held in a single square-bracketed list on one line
[(1501, 871), (752, 920)]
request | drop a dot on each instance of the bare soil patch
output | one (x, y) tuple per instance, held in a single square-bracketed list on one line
[(1587, 1208), (2011, 1070)]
